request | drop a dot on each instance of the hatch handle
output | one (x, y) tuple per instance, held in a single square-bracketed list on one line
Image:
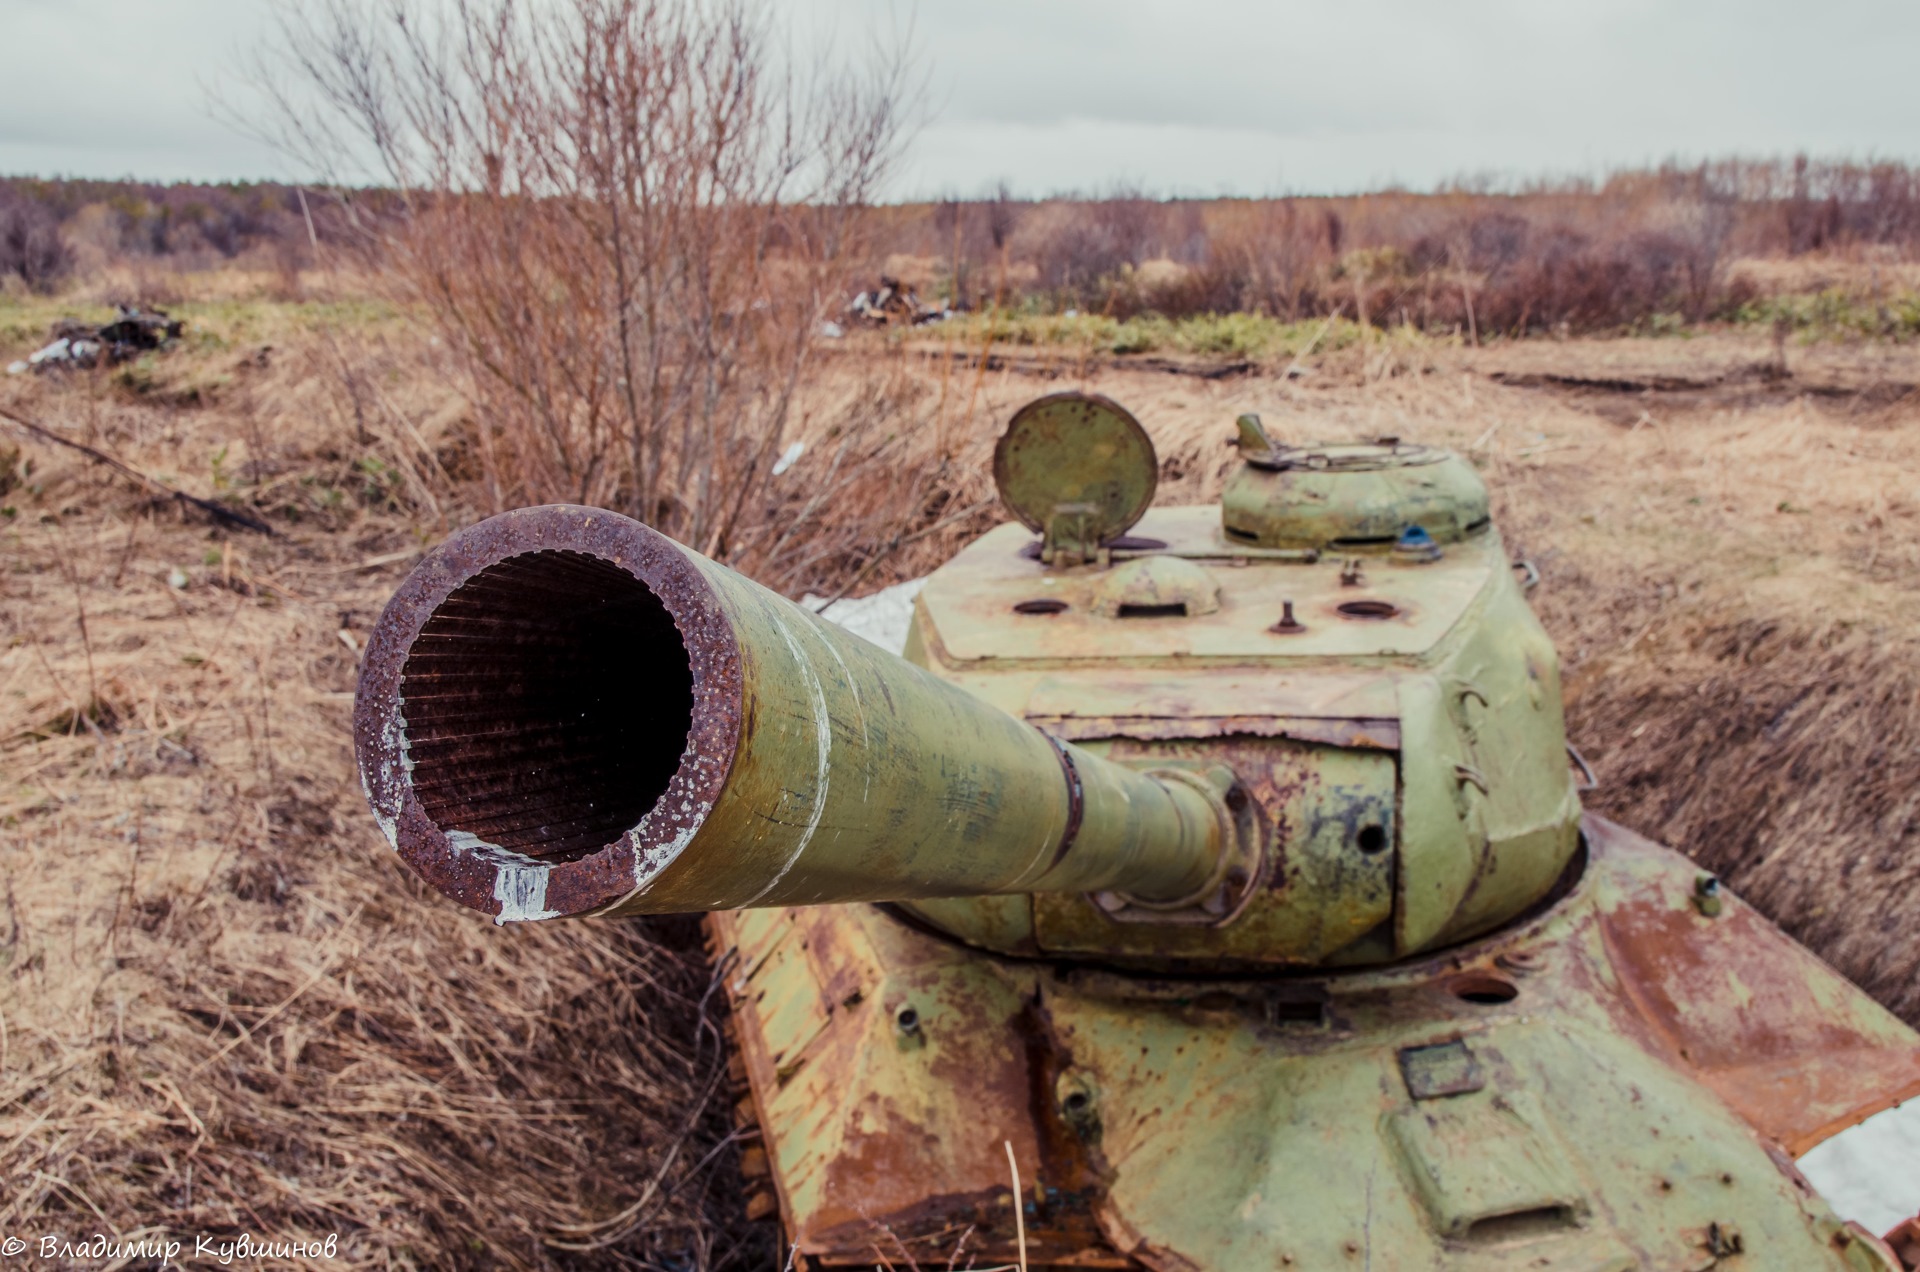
[(1588, 780)]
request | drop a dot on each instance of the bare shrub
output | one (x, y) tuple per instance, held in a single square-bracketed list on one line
[(1003, 216), (1082, 250), (1809, 225), (1643, 249), (1072, 254), (628, 220), (30, 245), (1278, 251)]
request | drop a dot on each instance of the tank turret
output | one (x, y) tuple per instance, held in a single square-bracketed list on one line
[(1223, 865)]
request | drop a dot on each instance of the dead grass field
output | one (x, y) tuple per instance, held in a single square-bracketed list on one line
[(226, 1008)]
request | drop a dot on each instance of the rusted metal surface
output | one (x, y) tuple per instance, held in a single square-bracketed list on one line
[(1520, 1102), (886, 1142), (1905, 1243), (1756, 1018)]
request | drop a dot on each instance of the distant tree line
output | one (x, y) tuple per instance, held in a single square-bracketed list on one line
[(48, 224), (1553, 256)]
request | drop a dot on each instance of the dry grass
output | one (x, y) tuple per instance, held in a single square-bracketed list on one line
[(224, 1006), (227, 1008)]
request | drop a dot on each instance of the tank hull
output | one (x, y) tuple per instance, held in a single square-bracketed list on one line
[(1621, 1080)]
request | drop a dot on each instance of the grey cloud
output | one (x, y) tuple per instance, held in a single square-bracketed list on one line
[(1207, 95)]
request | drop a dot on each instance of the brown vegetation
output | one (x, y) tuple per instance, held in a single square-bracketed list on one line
[(627, 220), (1572, 257)]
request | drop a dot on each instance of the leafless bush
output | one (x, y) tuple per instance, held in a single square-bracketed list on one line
[(1518, 265), (30, 245), (1262, 256), (1642, 248), (1003, 216), (1082, 250), (629, 218)]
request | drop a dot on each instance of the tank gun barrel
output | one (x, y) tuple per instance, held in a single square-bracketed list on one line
[(564, 712)]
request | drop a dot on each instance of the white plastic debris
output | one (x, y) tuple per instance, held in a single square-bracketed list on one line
[(59, 351), (832, 330), (1870, 1173), (16, 368), (789, 457), (882, 618), (177, 579), (67, 350)]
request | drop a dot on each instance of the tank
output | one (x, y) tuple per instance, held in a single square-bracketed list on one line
[(1205, 888)]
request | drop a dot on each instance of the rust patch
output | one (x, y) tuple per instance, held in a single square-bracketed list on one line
[(1904, 1242), (894, 1146), (1064, 1108), (1751, 1014)]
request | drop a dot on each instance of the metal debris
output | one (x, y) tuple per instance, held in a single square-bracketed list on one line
[(80, 344), (894, 304)]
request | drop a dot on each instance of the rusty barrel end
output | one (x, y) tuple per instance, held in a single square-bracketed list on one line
[(547, 710)]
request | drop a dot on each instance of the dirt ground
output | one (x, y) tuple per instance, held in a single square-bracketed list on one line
[(225, 1008)]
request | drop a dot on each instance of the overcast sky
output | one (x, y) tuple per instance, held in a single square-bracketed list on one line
[(1178, 96)]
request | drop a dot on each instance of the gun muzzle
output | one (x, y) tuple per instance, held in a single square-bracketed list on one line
[(563, 712)]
